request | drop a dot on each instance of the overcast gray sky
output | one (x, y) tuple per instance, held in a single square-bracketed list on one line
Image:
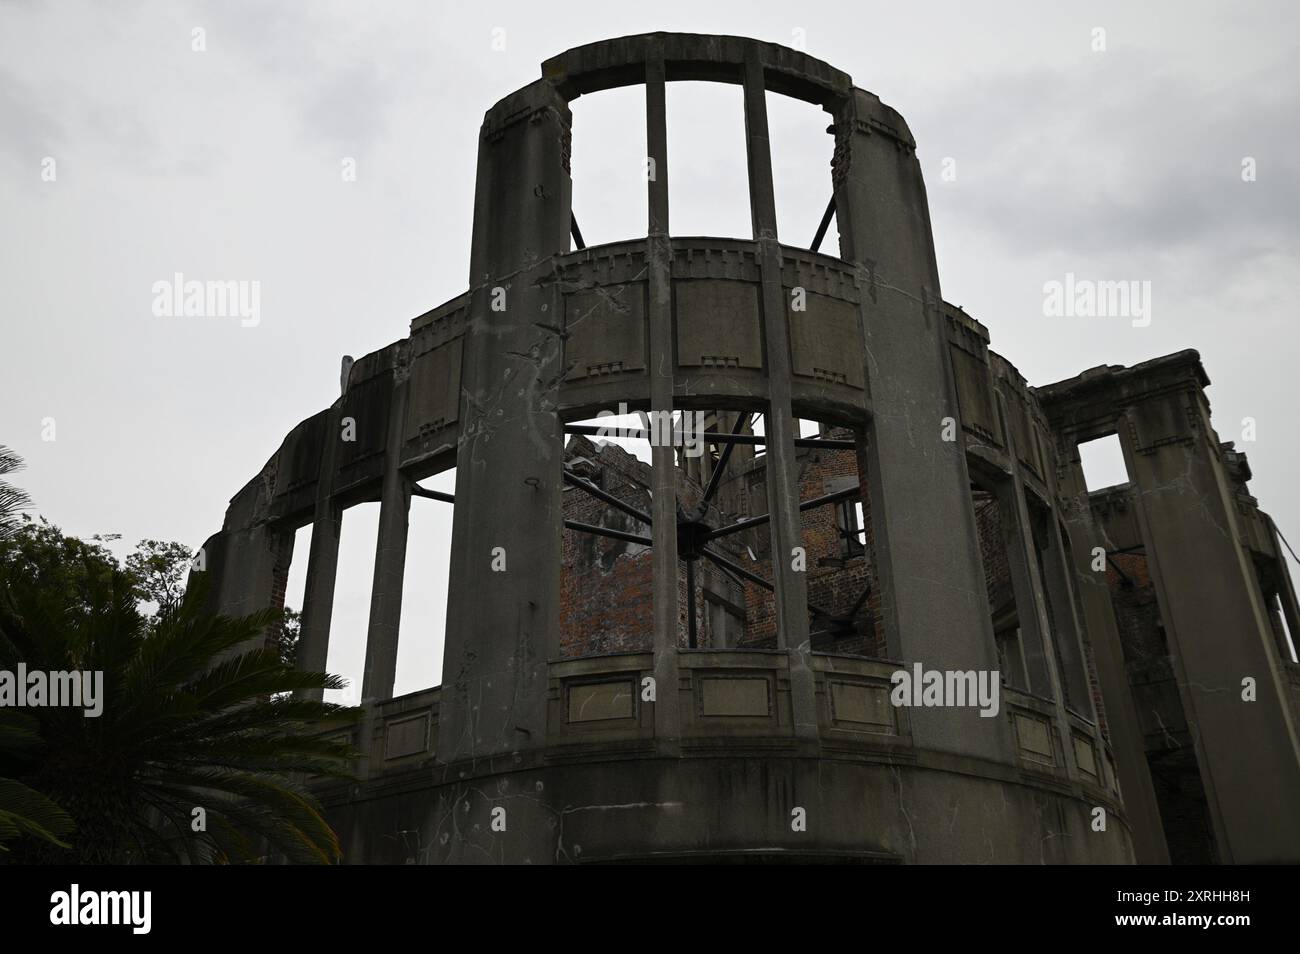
[(1122, 164)]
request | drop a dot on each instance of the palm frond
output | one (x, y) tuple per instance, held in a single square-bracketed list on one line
[(197, 714), (13, 500), (25, 811)]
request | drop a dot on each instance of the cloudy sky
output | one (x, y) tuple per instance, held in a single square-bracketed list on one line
[(1122, 163)]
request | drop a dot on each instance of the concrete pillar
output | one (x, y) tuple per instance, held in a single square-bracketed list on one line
[(1216, 625), (318, 596), (390, 560), (203, 571), (781, 426), (503, 623), (1056, 632), (1067, 640), (663, 459), (322, 564), (934, 603), (876, 637), (1123, 724)]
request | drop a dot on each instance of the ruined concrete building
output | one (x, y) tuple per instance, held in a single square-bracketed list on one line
[(691, 658)]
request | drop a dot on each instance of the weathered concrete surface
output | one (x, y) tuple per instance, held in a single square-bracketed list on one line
[(1220, 639), (706, 754), (716, 809)]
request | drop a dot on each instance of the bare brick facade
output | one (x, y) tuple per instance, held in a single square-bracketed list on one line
[(606, 584)]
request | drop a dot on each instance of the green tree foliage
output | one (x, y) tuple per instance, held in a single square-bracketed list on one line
[(290, 628), (39, 555), (159, 570), (12, 499), (199, 713), (23, 810)]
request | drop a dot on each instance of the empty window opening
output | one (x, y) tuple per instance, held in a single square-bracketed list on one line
[(350, 621), (606, 565), (609, 167), (1011, 655), (994, 531), (624, 431), (1275, 588), (835, 533), (724, 573), (424, 587), (701, 460), (708, 175), (852, 528), (726, 586), (1286, 638), (719, 603), (801, 171), (724, 621), (295, 593), (1103, 463)]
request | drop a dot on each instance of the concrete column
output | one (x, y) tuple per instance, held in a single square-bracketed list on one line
[(662, 361), (781, 426), (1027, 582), (322, 564), (1216, 625), (1123, 724), (876, 642), (318, 597), (934, 602), (203, 571), (390, 562), (503, 623), (1054, 631), (1066, 637)]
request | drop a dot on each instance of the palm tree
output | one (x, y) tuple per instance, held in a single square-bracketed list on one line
[(23, 810), (201, 753), (12, 499)]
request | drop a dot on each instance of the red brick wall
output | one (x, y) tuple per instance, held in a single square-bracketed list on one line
[(1137, 612), (283, 543), (607, 585), (837, 581), (993, 551)]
